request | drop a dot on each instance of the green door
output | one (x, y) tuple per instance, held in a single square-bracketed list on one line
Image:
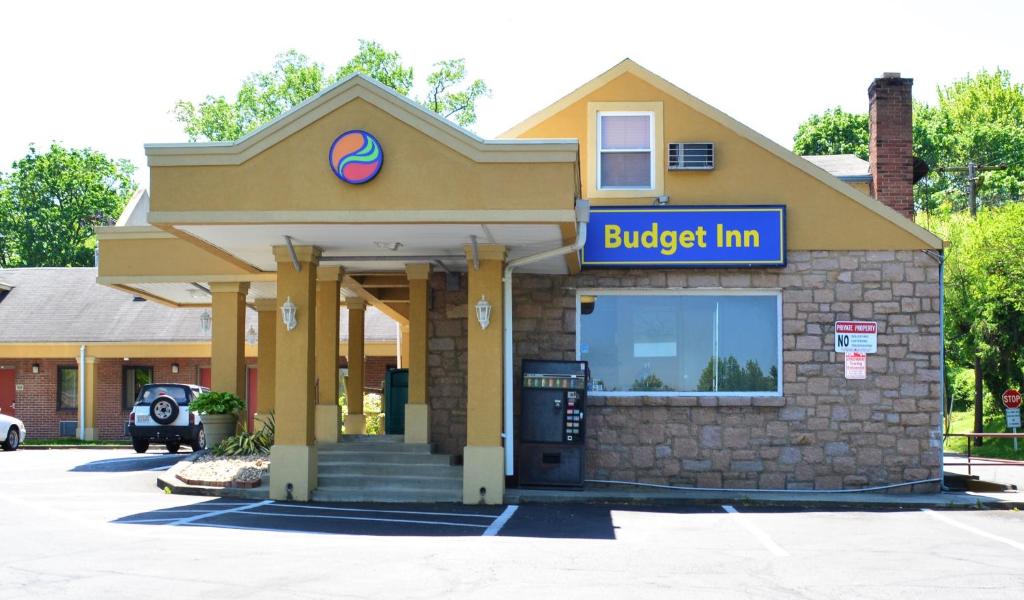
[(396, 394)]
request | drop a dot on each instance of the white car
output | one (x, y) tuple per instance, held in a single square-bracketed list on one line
[(13, 432), (161, 415)]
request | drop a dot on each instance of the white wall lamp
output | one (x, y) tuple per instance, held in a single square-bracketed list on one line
[(288, 311), (251, 337), (205, 322), (483, 312), (174, 368)]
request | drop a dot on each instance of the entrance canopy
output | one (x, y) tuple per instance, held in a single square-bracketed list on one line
[(216, 210)]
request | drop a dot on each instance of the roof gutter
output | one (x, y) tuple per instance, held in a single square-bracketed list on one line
[(582, 218)]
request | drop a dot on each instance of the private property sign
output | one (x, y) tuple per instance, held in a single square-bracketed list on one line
[(856, 336)]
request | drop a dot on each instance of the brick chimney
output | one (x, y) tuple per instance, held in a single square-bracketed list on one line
[(891, 148)]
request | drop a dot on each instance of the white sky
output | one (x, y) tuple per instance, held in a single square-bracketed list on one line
[(107, 74)]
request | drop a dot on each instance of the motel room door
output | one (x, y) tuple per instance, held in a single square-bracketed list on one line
[(7, 391)]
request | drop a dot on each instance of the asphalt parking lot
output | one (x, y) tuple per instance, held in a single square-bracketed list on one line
[(92, 524)]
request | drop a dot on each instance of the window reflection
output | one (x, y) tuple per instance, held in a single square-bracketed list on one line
[(681, 343)]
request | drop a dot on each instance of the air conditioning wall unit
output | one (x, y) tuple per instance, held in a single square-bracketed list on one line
[(691, 156)]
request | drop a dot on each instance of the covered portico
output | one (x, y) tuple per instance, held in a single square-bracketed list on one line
[(270, 222)]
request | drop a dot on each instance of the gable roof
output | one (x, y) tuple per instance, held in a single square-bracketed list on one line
[(631, 67), (355, 86), (66, 305), (846, 167)]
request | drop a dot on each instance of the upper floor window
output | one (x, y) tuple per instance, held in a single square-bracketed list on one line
[(625, 148)]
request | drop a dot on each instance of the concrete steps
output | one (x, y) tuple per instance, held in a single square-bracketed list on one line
[(382, 468)]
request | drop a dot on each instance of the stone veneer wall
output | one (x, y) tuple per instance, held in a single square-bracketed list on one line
[(446, 364), (826, 432)]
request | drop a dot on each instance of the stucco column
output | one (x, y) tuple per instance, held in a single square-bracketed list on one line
[(483, 473), (328, 294), (91, 431), (356, 421), (403, 346), (293, 465), (417, 410), (266, 349), (227, 359)]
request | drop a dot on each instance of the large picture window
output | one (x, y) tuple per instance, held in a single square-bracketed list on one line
[(658, 343), (67, 388), (134, 379), (625, 150)]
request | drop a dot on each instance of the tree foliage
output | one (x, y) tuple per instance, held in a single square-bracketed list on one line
[(984, 294), (835, 131), (733, 377), (977, 118), (295, 78), (51, 203)]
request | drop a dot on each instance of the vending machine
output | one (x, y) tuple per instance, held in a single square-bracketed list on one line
[(552, 426)]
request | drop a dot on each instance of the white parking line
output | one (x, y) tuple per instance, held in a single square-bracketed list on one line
[(501, 520), (193, 519), (974, 530), (761, 536)]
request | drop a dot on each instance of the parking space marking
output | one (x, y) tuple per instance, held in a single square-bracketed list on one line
[(193, 519), (755, 531), (503, 518), (948, 521)]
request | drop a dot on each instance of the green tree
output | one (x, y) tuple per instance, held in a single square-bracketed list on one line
[(51, 203), (295, 78), (835, 131), (977, 118), (984, 295)]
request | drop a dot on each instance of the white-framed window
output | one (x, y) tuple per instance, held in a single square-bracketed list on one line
[(625, 150), (681, 342)]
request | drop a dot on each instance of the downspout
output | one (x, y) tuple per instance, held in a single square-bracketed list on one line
[(582, 218), (81, 393)]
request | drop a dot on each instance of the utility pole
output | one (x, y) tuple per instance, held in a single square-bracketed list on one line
[(973, 180)]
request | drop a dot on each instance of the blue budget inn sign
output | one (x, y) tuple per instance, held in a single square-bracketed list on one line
[(691, 236)]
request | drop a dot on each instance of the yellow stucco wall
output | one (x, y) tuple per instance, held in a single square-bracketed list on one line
[(819, 217), (148, 257), (419, 173)]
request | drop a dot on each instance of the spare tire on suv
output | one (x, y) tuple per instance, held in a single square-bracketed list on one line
[(164, 410)]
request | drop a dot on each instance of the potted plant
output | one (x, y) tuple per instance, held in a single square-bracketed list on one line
[(220, 414)]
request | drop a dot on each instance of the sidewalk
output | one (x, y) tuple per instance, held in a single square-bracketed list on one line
[(754, 498)]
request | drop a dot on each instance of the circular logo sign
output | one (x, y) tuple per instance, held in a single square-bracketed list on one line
[(1011, 398), (356, 156)]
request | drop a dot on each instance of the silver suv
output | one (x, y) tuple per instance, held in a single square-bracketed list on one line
[(161, 414)]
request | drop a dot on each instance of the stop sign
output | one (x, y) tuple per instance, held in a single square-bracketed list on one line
[(1011, 399)]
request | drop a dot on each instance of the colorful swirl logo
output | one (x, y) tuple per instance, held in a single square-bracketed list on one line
[(356, 156)]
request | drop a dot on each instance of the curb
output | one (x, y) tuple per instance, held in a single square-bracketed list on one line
[(943, 501), (169, 482)]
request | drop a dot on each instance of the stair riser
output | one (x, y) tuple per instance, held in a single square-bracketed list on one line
[(368, 482), (371, 469), (368, 447), (388, 497), (382, 457)]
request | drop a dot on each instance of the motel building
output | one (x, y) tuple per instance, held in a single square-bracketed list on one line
[(697, 267)]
